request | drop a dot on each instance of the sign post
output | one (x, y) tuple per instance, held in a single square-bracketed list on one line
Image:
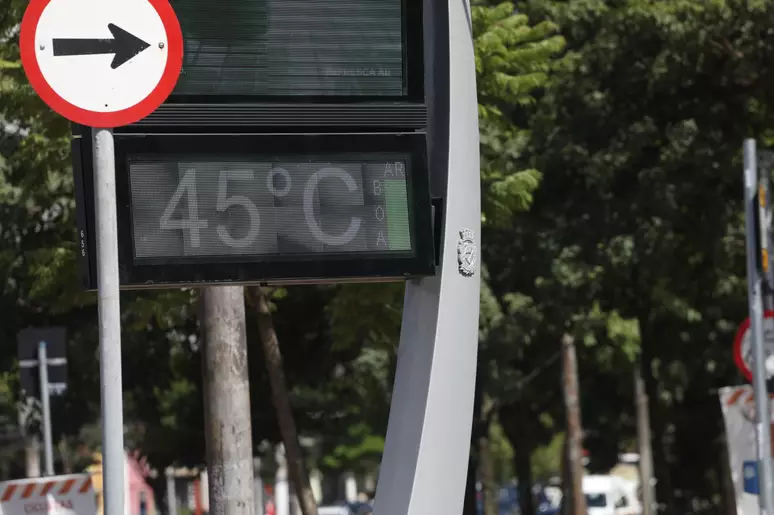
[(93, 72), (109, 323), (754, 286), (44, 400), (42, 349)]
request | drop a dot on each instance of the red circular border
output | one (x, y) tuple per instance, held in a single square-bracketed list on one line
[(740, 364), (93, 118)]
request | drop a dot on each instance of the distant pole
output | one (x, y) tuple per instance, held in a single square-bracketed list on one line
[(228, 428), (574, 428), (32, 455), (258, 488), (171, 494), (281, 484), (48, 444), (645, 445), (754, 286), (31, 440), (109, 315)]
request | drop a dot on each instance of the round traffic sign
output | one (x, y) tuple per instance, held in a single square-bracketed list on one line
[(102, 63), (743, 346)]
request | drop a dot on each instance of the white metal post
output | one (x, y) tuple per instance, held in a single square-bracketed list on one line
[(754, 285), (171, 494), (425, 461), (46, 407), (109, 322)]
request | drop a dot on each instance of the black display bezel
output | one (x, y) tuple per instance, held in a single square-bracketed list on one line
[(413, 74), (322, 268)]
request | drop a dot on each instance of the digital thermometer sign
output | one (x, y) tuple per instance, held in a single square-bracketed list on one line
[(254, 208)]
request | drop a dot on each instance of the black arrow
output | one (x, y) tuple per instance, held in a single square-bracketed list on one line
[(123, 45)]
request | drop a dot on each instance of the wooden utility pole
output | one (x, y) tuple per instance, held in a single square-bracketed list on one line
[(574, 428), (645, 445), (228, 428)]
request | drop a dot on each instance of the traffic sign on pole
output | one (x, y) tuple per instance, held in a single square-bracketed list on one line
[(743, 346), (102, 63), (34, 345), (105, 64), (760, 357)]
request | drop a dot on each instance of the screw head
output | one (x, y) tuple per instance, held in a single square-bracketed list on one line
[(42, 46), (161, 45)]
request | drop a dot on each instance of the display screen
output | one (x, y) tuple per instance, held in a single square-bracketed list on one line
[(252, 207), (292, 47)]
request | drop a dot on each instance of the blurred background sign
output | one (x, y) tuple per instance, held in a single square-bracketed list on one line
[(28, 341)]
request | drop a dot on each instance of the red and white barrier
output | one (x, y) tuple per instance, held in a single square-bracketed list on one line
[(57, 495)]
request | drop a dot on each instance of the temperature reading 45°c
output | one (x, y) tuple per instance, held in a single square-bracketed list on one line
[(248, 208)]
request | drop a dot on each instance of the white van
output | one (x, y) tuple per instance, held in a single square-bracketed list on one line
[(608, 495)]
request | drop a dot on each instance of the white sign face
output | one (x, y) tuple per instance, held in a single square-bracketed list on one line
[(86, 79), (102, 63), (768, 342)]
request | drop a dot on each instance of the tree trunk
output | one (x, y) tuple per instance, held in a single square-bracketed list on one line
[(644, 442), (574, 490), (470, 506), (566, 478), (664, 493), (486, 472), (66, 455), (523, 466), (226, 396), (279, 392)]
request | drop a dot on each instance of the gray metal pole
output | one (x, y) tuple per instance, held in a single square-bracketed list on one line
[(228, 428), (754, 284), (109, 322), (46, 407)]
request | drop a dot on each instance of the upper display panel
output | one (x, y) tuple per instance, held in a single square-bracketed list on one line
[(315, 48)]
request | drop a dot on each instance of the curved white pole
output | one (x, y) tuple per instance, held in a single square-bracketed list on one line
[(425, 461)]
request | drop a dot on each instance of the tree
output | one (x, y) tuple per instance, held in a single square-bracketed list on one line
[(638, 143), (514, 62), (282, 404)]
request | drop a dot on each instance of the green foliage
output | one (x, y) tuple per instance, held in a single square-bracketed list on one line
[(547, 459), (501, 453), (513, 63)]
